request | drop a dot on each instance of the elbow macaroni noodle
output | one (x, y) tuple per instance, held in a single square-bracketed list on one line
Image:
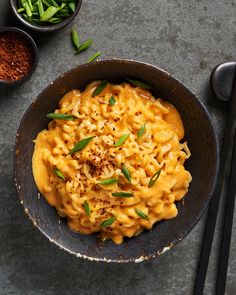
[(159, 148)]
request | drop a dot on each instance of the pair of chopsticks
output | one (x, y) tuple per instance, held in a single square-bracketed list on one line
[(228, 154)]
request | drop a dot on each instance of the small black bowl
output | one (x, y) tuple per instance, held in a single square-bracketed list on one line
[(44, 29), (203, 164), (34, 52)]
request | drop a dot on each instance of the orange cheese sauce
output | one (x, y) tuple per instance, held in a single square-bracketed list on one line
[(78, 192)]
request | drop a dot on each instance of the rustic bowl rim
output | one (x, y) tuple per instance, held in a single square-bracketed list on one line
[(214, 179)]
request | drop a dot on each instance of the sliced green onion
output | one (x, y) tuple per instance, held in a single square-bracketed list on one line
[(139, 83), (86, 208), (122, 194), (141, 130), (84, 46), (126, 173), (62, 6), (72, 6), (81, 145), (57, 116), (20, 10), (75, 38), (40, 8), (95, 56), (59, 174), (108, 222), (55, 20), (30, 5), (48, 13), (100, 88), (154, 178), (121, 140), (141, 214), (112, 101), (27, 8), (109, 181)]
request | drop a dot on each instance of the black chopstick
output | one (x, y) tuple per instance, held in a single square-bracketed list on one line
[(227, 228), (225, 157)]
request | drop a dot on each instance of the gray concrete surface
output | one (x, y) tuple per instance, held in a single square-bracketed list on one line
[(187, 38)]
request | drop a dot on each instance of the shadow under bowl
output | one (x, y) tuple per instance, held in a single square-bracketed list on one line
[(29, 39), (203, 164), (44, 29)]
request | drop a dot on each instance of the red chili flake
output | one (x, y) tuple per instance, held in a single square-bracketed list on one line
[(16, 56)]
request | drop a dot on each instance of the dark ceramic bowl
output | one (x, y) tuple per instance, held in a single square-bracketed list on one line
[(44, 29), (34, 52), (203, 163)]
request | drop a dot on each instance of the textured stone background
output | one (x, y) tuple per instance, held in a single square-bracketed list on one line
[(187, 38)]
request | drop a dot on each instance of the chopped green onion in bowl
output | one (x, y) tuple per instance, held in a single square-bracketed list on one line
[(46, 12)]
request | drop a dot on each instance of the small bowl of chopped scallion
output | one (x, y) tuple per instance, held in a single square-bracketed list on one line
[(45, 15)]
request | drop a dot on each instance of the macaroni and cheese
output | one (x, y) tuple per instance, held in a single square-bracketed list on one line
[(111, 160)]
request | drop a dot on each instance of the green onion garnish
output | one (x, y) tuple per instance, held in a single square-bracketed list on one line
[(122, 194), (112, 101), (30, 5), (86, 208), (141, 214), (48, 13), (40, 8), (154, 178), (121, 140), (108, 222), (72, 6), (75, 38), (84, 46), (95, 56), (109, 181), (126, 173), (100, 87), (57, 116), (59, 174), (141, 130), (81, 145), (27, 8), (140, 84), (20, 10)]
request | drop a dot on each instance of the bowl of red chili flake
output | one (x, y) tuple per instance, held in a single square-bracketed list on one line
[(18, 56)]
